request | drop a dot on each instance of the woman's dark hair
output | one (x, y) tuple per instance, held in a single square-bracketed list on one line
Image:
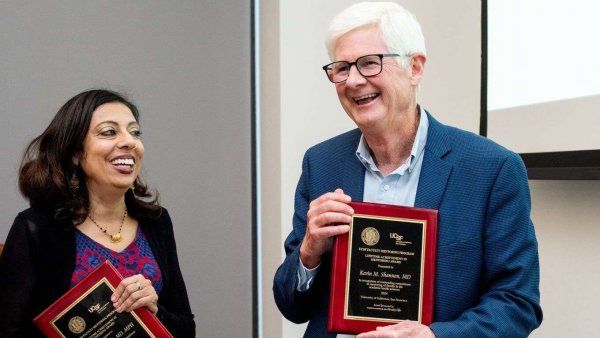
[(48, 177)]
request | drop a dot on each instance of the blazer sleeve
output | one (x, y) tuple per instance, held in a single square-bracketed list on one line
[(295, 305), (173, 305), (509, 304), (17, 280)]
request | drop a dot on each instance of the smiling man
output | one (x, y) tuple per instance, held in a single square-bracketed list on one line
[(487, 270)]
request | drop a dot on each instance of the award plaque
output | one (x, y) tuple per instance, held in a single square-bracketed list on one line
[(383, 269), (86, 311)]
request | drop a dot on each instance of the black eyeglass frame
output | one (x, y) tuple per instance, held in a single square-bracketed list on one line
[(355, 63)]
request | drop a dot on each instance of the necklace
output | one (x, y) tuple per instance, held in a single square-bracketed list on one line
[(116, 238)]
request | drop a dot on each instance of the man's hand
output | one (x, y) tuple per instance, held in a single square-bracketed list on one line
[(327, 216), (404, 329)]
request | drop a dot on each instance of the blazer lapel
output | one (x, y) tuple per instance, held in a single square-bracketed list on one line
[(435, 171), (353, 172)]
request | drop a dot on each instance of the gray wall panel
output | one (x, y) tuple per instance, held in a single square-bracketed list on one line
[(187, 66)]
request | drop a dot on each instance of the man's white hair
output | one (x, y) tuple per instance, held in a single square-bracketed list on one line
[(399, 28)]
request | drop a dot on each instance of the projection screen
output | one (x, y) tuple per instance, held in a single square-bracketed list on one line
[(543, 82)]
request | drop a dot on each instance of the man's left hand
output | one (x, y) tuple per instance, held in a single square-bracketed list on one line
[(404, 329)]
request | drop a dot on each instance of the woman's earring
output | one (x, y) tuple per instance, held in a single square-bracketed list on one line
[(74, 182)]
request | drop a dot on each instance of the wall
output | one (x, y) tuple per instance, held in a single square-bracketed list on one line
[(270, 161), (304, 110), (187, 66), (566, 214)]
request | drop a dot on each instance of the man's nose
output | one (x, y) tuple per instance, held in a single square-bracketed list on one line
[(355, 77)]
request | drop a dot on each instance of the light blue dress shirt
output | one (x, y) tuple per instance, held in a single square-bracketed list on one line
[(399, 187)]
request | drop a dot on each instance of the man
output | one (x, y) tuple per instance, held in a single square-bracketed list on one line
[(487, 270)]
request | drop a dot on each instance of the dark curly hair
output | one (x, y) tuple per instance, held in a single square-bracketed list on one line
[(47, 168)]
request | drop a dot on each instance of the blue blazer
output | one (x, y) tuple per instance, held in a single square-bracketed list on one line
[(487, 269)]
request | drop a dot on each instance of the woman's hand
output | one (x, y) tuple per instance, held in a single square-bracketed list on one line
[(133, 293)]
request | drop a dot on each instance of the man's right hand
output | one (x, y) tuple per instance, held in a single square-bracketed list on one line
[(327, 216)]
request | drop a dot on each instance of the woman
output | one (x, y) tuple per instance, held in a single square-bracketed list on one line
[(88, 205)]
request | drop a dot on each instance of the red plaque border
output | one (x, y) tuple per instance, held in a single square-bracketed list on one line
[(105, 271), (339, 269)]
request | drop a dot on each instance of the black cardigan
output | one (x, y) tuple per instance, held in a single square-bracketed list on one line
[(38, 261)]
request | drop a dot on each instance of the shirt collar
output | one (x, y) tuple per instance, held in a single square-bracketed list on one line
[(364, 154)]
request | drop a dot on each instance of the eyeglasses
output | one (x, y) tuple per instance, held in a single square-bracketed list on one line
[(367, 65)]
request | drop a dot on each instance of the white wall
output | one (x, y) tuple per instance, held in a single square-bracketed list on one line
[(566, 215), (301, 109)]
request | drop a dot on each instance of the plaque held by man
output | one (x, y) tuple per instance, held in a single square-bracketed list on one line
[(383, 269), (87, 311)]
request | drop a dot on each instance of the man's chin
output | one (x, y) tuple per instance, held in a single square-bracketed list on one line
[(365, 119)]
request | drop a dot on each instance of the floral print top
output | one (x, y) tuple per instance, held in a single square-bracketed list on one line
[(136, 258)]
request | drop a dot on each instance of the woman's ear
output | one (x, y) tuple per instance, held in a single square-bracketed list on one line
[(75, 160)]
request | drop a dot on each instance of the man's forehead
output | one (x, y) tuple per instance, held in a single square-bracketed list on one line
[(358, 42)]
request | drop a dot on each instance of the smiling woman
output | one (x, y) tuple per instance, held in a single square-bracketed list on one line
[(89, 205)]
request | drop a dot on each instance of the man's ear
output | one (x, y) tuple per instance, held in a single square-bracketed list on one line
[(417, 68)]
